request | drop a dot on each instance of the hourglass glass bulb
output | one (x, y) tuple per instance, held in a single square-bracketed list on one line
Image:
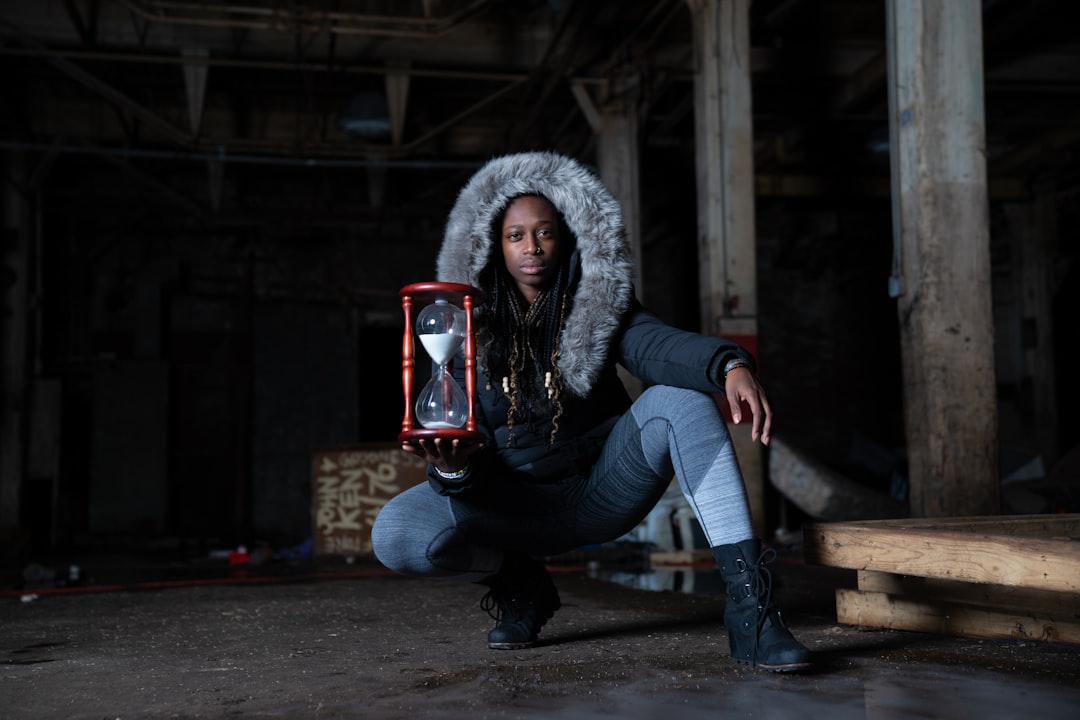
[(442, 403), (441, 328)]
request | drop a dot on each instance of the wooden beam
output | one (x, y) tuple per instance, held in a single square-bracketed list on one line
[(1062, 527), (1043, 603), (872, 609), (697, 556), (941, 265), (619, 158), (970, 556), (723, 130), (588, 108), (824, 494)]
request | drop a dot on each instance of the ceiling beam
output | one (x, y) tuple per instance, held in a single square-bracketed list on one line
[(105, 90)]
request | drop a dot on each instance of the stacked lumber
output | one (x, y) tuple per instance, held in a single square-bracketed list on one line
[(986, 577)]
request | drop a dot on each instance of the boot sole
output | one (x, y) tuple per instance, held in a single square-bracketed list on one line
[(787, 668), (509, 645)]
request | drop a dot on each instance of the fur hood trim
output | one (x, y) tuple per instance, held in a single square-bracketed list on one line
[(605, 289)]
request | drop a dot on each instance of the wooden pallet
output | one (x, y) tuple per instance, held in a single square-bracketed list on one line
[(988, 577)]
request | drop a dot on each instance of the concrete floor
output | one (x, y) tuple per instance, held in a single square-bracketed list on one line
[(353, 641)]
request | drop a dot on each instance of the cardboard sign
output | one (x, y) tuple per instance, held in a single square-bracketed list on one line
[(351, 486)]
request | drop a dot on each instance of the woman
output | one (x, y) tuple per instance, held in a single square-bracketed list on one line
[(567, 460)]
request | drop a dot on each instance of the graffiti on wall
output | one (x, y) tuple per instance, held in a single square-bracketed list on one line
[(351, 485)]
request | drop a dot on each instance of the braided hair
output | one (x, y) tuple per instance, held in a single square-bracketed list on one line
[(519, 342)]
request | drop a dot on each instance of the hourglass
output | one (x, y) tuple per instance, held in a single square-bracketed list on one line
[(443, 325)]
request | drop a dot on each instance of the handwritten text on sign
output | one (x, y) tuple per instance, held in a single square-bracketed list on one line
[(351, 485)]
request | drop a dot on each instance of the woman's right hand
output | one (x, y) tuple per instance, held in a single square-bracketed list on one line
[(740, 386)]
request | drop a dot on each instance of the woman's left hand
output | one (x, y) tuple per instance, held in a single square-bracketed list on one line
[(447, 455), (741, 386)]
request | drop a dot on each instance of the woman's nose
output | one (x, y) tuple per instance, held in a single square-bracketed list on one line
[(534, 246)]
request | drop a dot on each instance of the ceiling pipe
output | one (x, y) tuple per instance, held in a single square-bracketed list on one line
[(304, 21), (224, 157), (269, 65)]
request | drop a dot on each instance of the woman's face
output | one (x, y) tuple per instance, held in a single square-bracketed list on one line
[(530, 244)]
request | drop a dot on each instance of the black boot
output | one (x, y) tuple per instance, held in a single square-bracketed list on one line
[(756, 632), (522, 598)]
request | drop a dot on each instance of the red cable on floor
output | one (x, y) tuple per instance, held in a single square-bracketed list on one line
[(165, 584)]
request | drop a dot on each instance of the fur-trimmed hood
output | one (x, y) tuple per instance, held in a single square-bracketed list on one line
[(604, 291)]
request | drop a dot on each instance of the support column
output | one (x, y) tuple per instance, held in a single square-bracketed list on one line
[(723, 126), (196, 73), (1034, 230), (618, 157), (397, 97), (1038, 306), (723, 129), (619, 154), (620, 168), (15, 249), (941, 267)]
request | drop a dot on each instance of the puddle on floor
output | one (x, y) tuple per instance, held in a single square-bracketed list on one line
[(685, 580)]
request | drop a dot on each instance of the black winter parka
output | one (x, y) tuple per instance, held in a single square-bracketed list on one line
[(606, 325)]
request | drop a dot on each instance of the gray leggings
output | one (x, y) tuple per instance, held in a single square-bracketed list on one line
[(666, 430)]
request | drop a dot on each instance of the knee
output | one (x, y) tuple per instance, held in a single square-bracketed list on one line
[(408, 536), (684, 410), (678, 399), (388, 531)]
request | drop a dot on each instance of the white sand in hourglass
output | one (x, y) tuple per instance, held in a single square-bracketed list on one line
[(441, 425), (441, 346)]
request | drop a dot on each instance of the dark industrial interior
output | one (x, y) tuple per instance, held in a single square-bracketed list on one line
[(201, 275), (208, 211)]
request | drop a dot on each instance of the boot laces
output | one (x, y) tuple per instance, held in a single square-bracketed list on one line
[(499, 606), (491, 606), (759, 585)]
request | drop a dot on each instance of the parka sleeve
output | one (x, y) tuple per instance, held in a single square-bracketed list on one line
[(660, 354), (472, 479), (476, 474)]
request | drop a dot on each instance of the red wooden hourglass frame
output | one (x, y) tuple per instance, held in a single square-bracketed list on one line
[(441, 315)]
